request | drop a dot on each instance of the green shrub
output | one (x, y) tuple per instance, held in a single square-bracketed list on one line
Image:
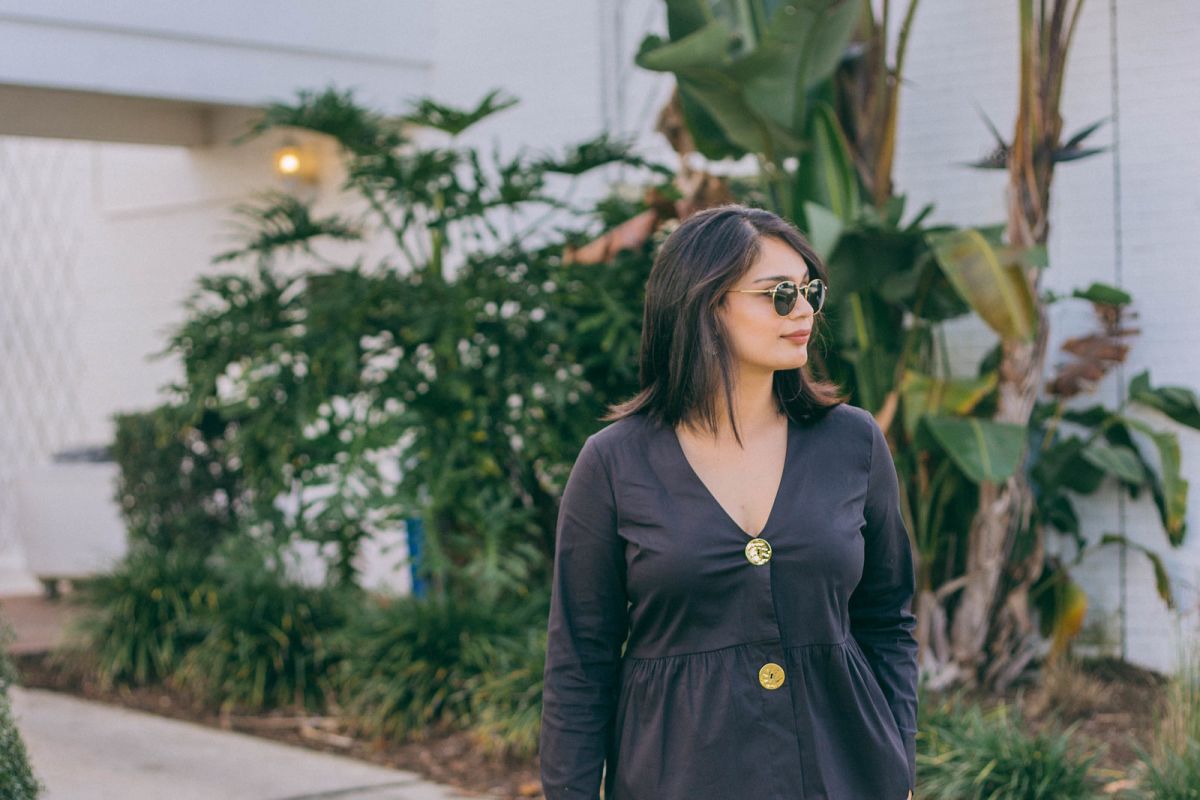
[(143, 616), (232, 628), (1170, 769), (267, 637), (470, 355), (965, 753), (1173, 775), (175, 488), (506, 701), (17, 781), (411, 664)]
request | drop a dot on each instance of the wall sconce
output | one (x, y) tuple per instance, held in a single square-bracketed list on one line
[(294, 162)]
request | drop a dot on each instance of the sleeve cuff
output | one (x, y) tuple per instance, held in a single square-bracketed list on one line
[(910, 749)]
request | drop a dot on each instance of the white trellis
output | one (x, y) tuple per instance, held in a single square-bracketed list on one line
[(42, 192)]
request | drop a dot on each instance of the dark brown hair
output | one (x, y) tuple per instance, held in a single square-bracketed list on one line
[(685, 358)]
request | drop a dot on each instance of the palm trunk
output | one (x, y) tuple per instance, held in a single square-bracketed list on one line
[(992, 623)]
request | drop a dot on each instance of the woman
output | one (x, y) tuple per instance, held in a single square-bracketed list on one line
[(740, 525)]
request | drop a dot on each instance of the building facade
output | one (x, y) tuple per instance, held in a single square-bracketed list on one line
[(117, 176)]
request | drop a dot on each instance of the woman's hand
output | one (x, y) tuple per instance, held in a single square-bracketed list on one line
[(909, 795)]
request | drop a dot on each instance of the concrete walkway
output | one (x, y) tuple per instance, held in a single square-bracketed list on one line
[(83, 750)]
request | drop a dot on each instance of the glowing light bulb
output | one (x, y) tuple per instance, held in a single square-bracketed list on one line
[(287, 161)]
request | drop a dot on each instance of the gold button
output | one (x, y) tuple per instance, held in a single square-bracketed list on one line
[(770, 675), (758, 551)]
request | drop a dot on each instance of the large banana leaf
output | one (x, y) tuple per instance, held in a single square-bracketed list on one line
[(802, 45), (1117, 460), (701, 62), (1170, 488), (865, 348), (1081, 465), (1162, 581), (1176, 402), (982, 449), (925, 394), (826, 173), (750, 65), (824, 229), (1062, 465), (996, 288)]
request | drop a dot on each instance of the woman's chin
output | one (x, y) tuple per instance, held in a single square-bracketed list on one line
[(796, 361)]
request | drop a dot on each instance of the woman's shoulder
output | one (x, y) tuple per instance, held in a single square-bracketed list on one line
[(846, 431), (620, 431), (844, 415)]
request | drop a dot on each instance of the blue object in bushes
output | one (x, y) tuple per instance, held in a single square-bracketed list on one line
[(414, 529)]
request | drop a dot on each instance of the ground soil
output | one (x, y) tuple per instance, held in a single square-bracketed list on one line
[(1115, 706)]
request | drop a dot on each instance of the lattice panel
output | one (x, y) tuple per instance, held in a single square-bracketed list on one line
[(44, 186)]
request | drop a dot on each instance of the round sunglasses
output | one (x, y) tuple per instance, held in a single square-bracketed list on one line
[(785, 294)]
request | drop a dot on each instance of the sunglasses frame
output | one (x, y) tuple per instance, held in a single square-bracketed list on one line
[(801, 289)]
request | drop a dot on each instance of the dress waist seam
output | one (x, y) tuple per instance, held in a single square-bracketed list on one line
[(840, 643)]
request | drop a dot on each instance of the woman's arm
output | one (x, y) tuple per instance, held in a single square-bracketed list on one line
[(881, 617), (587, 626)]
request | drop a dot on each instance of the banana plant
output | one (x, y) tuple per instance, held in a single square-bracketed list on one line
[(747, 70), (1103, 445), (990, 278)]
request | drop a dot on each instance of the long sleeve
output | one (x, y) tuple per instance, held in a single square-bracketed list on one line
[(881, 617), (587, 626)]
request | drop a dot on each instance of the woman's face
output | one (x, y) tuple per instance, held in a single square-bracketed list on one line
[(758, 333)]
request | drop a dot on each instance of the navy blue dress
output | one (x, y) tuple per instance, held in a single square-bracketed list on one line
[(686, 662)]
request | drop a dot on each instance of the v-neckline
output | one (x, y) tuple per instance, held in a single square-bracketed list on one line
[(695, 476)]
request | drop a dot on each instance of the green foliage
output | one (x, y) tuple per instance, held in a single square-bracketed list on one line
[(234, 629), (996, 286), (175, 488), (8, 670), (1174, 775), (1082, 447), (357, 129), (267, 640), (17, 781), (966, 753), (1170, 768), (336, 398), (281, 222), (303, 391), (231, 627), (428, 113), (747, 66), (506, 699), (411, 666), (144, 615), (1177, 402)]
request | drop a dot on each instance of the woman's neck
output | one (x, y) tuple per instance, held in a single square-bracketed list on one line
[(755, 408)]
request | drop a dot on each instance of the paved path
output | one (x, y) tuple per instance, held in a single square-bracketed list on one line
[(83, 750)]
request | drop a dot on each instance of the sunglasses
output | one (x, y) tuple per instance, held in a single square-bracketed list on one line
[(785, 294)]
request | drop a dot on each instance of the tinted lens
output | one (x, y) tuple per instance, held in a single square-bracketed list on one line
[(815, 294), (785, 298)]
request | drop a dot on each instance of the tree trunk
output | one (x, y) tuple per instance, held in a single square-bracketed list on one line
[(1005, 510)]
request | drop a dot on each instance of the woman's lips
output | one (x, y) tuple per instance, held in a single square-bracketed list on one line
[(799, 337)]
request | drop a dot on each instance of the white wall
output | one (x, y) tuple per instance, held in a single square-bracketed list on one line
[(101, 244)]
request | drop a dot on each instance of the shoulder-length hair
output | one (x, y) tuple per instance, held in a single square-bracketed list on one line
[(685, 361)]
